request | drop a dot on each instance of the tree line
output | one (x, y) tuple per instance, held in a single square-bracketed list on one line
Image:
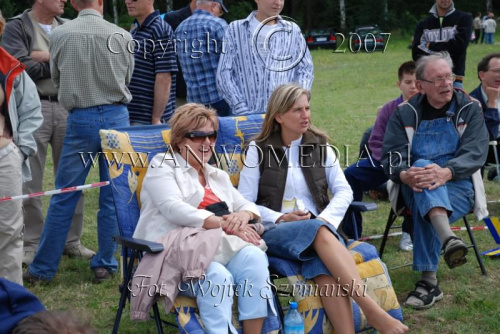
[(339, 15)]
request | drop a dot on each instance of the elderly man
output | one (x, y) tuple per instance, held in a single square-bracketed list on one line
[(153, 82), (488, 93), (434, 147), (445, 29), (26, 37), (199, 64), (262, 52), (92, 84), (20, 117)]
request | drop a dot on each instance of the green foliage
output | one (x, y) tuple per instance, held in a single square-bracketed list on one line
[(401, 14), (238, 11), (10, 8)]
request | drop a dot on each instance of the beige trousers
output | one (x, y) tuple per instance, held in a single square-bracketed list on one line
[(11, 217), (51, 132)]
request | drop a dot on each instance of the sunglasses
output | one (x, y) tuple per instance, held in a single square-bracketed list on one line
[(200, 136)]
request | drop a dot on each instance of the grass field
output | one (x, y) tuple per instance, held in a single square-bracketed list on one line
[(347, 90)]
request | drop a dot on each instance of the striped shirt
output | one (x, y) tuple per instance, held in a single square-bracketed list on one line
[(246, 78), (89, 61), (200, 37), (153, 53)]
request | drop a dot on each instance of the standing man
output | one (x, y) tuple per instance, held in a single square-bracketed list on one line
[(263, 51), (153, 81), (488, 93), (477, 24), (91, 66), (490, 27), (27, 38), (439, 183), (199, 63), (20, 117), (174, 18), (367, 173), (445, 29)]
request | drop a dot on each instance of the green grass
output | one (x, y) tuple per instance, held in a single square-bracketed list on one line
[(347, 90)]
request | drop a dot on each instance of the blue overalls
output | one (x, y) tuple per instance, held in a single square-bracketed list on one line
[(435, 141)]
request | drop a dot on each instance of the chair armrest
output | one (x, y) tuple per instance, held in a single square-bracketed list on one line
[(363, 206), (139, 244)]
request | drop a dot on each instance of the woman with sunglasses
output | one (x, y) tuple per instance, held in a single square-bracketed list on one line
[(177, 189), (296, 169)]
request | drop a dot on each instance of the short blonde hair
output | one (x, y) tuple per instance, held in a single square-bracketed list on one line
[(187, 118), (282, 100), (2, 23)]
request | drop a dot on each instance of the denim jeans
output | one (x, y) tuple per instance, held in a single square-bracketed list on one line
[(247, 273), (488, 38), (435, 141), (82, 135)]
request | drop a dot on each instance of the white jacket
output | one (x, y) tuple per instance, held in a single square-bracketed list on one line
[(171, 194)]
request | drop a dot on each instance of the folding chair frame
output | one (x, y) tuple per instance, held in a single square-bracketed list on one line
[(135, 247), (393, 216)]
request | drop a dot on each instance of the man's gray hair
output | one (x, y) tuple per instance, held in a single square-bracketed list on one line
[(83, 2), (422, 62)]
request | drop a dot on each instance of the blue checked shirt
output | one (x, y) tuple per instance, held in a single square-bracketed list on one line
[(199, 45), (246, 76), (153, 53)]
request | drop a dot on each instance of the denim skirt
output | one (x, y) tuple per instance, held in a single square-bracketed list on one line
[(293, 241)]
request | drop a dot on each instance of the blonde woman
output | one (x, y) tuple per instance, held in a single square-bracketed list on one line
[(288, 172)]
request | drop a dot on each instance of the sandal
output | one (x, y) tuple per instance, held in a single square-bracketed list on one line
[(454, 255), (433, 295)]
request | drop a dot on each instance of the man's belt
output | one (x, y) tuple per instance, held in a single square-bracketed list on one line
[(51, 98), (459, 78)]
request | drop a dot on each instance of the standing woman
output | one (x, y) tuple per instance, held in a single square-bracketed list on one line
[(288, 176)]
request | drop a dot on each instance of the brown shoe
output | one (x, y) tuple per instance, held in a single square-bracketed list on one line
[(101, 274), (32, 279)]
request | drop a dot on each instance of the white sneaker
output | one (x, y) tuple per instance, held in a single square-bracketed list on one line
[(405, 244)]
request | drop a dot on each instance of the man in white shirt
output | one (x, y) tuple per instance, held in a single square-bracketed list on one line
[(262, 52)]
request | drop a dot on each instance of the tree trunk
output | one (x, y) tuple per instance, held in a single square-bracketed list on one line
[(489, 5), (386, 10), (308, 14), (169, 4), (115, 12), (342, 15)]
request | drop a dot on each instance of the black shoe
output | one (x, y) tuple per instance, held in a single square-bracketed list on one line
[(454, 252), (492, 173), (101, 274)]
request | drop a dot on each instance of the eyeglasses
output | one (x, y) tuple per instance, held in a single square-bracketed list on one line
[(200, 136), (494, 70), (439, 81)]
